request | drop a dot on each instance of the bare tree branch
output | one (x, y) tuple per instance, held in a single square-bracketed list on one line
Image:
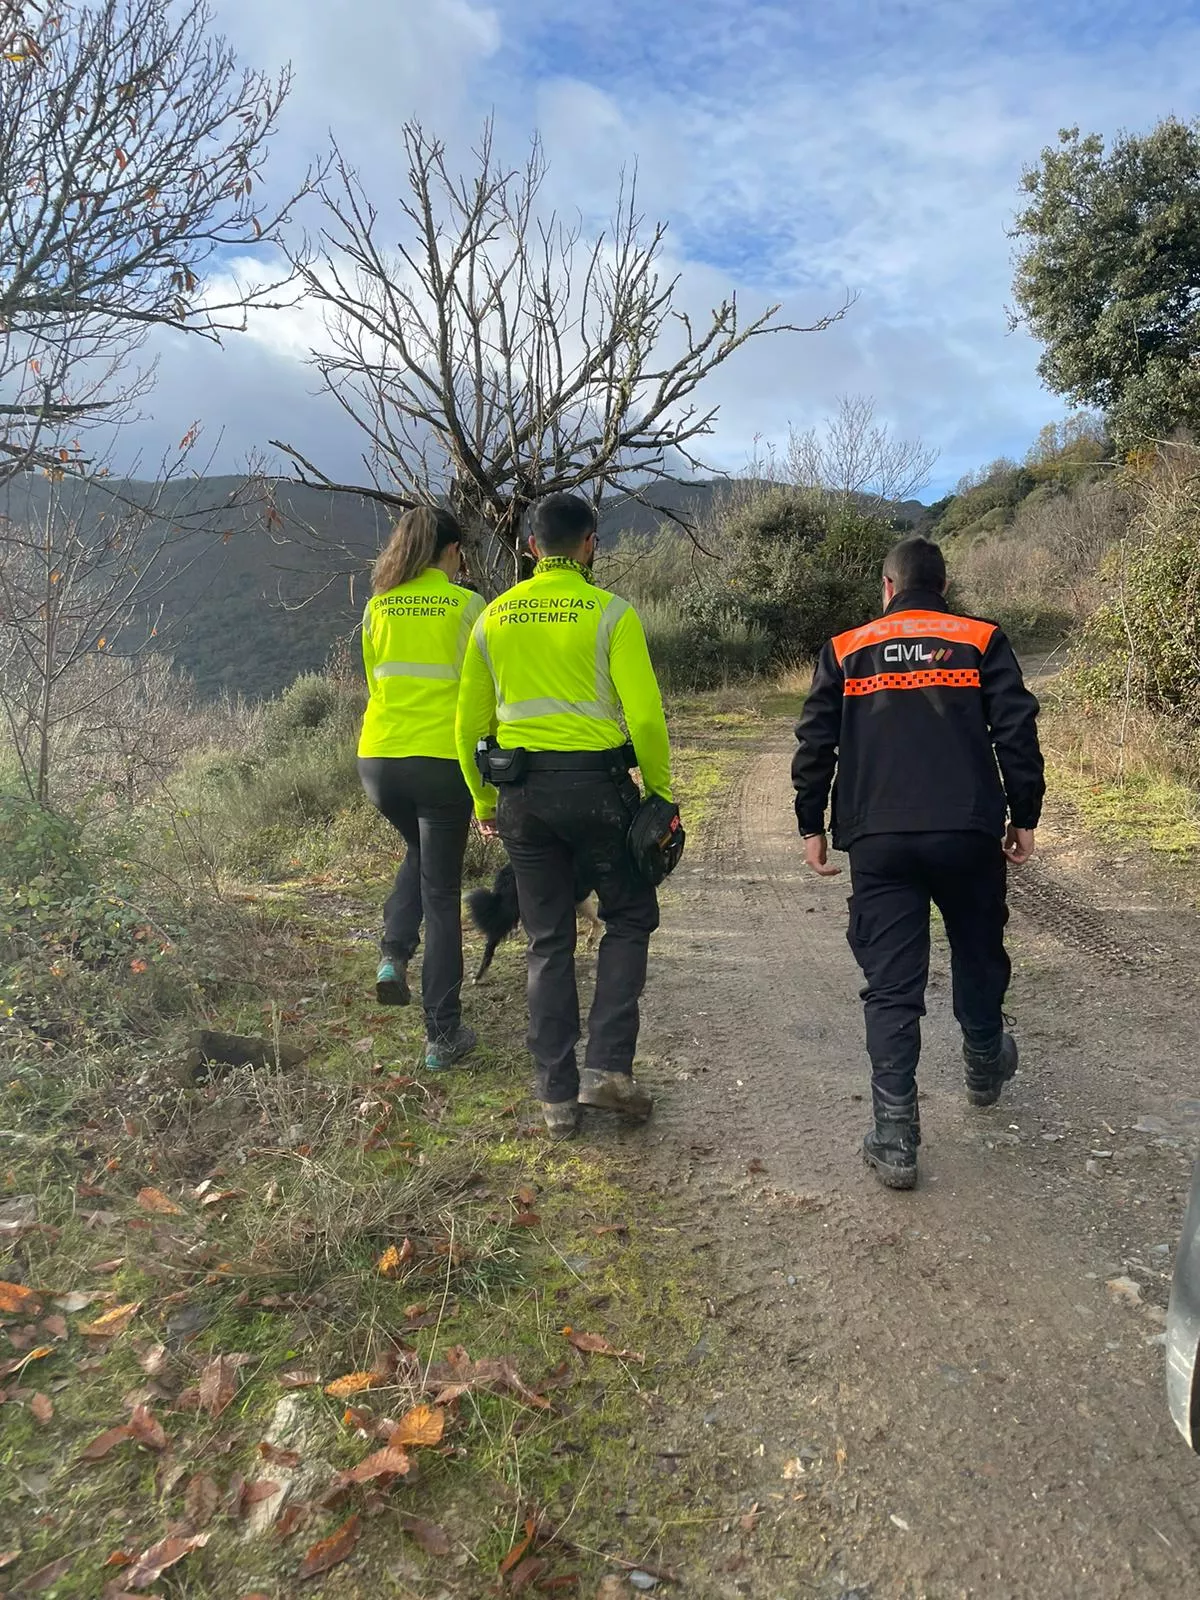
[(491, 354)]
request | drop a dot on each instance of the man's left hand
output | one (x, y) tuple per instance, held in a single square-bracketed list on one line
[(487, 827), (816, 856)]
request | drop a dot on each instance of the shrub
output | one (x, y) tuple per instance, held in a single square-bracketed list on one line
[(694, 652), (1143, 642), (796, 568), (312, 702)]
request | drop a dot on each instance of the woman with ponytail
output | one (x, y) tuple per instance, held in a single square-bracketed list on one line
[(414, 635)]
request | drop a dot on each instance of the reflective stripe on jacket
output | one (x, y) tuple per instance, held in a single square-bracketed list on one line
[(926, 718), (413, 640), (553, 664)]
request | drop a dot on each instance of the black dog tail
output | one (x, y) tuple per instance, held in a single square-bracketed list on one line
[(490, 915)]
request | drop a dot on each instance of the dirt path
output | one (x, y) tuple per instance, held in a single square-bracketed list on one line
[(969, 1409)]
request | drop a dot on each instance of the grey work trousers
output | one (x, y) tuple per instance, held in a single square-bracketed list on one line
[(426, 799), (557, 827)]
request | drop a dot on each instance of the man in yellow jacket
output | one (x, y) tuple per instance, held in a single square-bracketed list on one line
[(549, 670)]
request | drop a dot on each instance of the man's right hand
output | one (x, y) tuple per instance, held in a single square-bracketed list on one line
[(816, 856), (1018, 845)]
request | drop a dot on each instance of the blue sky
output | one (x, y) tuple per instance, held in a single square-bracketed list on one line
[(798, 151)]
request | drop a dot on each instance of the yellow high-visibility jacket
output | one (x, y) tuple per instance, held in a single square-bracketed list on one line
[(551, 665), (413, 639)]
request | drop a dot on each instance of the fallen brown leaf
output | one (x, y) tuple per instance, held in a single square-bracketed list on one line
[(749, 1522), (520, 1548), (522, 1576), (106, 1441), (156, 1201), (423, 1425), (45, 1576), (434, 1540), (386, 1463), (611, 1227), (200, 1500), (222, 1195), (9, 1558), (152, 1359), (595, 1344), (111, 1322), (218, 1383), (275, 1457), (119, 1558), (295, 1379), (235, 1497), (41, 1408), (55, 1326), (146, 1428), (525, 1219), (290, 1521), (353, 1383), (17, 1300), (328, 1552), (261, 1489), (152, 1563), (39, 1353), (525, 1197)]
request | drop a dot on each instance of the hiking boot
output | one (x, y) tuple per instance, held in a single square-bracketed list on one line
[(391, 982), (562, 1118), (444, 1052), (890, 1149), (987, 1074), (615, 1091)]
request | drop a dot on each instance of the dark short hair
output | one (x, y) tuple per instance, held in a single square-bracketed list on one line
[(916, 563), (561, 523)]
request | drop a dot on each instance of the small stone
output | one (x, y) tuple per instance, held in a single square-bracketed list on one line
[(643, 1581), (1102, 1155), (899, 1523), (612, 1588), (1160, 1249), (17, 1212), (1094, 1169), (1053, 1138), (791, 1283), (1125, 1290)]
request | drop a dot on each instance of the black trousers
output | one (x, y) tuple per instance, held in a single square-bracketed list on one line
[(425, 799), (555, 826), (894, 877)]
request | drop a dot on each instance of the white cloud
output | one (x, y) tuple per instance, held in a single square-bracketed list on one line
[(796, 150)]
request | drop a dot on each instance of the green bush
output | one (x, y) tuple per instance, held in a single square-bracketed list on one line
[(311, 703), (694, 652), (797, 568), (1144, 642)]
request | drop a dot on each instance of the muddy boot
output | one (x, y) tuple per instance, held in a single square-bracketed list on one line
[(391, 982), (561, 1118), (890, 1149), (444, 1052), (615, 1091), (988, 1073)]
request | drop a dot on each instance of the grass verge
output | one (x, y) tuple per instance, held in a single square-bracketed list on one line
[(222, 1299)]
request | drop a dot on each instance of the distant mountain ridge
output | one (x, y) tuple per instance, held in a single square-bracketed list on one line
[(250, 606)]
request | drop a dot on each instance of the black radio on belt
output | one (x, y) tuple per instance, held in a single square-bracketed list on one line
[(499, 766)]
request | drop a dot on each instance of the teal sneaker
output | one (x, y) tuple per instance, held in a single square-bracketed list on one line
[(443, 1053), (391, 983)]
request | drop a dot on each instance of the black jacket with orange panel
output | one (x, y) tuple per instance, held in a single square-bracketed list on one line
[(926, 719)]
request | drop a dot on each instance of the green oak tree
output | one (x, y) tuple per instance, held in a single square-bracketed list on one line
[(1108, 276)]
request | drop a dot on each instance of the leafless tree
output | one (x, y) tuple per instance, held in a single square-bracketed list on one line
[(491, 352), (131, 151), (855, 457), (85, 574)]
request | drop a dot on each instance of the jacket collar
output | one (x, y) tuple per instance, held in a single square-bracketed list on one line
[(918, 600), (554, 564)]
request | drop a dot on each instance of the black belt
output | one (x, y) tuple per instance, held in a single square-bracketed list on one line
[(581, 760)]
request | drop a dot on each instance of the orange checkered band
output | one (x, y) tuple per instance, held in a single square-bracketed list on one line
[(939, 678)]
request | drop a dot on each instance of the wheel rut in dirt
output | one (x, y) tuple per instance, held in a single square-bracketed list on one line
[(966, 1406)]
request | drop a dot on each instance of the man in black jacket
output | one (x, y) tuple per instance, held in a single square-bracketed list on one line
[(933, 734)]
